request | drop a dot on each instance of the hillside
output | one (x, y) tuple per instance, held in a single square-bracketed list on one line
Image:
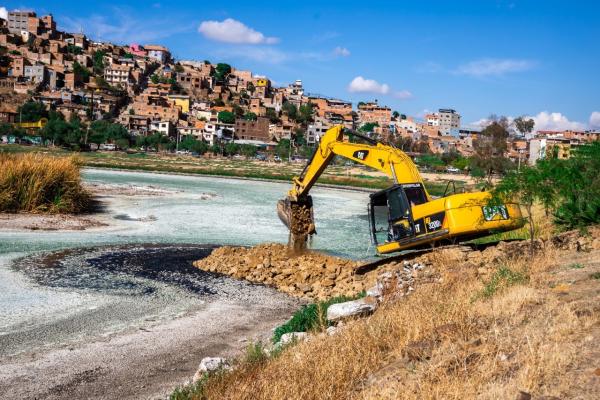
[(489, 325)]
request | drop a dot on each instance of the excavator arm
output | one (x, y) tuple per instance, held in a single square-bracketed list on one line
[(393, 162)]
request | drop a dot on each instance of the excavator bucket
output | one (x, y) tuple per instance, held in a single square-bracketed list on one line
[(299, 219)]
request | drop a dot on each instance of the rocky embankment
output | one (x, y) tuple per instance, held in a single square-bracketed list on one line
[(316, 276)]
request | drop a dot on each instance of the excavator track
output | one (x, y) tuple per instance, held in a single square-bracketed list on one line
[(412, 254)]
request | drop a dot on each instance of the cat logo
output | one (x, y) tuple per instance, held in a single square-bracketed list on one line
[(360, 154)]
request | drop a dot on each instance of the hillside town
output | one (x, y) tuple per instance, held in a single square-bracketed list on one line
[(147, 92)]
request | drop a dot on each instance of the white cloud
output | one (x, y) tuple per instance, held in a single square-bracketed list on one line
[(3, 13), (595, 120), (494, 67), (555, 121), (403, 95), (232, 31), (341, 52), (544, 121), (125, 27), (362, 85)]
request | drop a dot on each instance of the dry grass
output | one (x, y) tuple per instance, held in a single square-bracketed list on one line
[(41, 184), (521, 337)]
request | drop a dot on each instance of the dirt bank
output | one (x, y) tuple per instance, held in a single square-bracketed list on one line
[(313, 275), (55, 222)]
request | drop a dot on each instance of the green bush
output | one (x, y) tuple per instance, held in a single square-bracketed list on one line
[(310, 317), (504, 277)]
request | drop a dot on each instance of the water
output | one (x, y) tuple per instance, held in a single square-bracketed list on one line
[(103, 281), (237, 212)]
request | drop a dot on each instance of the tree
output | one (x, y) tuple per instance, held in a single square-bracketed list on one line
[(490, 148), (231, 148), (395, 114), (248, 150), (251, 88), (32, 111), (290, 110), (368, 127), (82, 71), (98, 60), (179, 68), (299, 137), (305, 113), (250, 116), (238, 111), (155, 79), (524, 125), (283, 149), (226, 117), (272, 115), (193, 145), (6, 129), (526, 186), (221, 71), (450, 156), (72, 49)]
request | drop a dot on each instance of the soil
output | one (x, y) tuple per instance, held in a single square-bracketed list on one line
[(54, 222), (316, 276)]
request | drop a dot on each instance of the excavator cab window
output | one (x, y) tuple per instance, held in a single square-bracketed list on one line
[(390, 215)]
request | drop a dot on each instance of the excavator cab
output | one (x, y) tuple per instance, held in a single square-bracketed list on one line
[(390, 213)]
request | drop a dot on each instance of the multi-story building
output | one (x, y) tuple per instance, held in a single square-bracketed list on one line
[(316, 131), (36, 73), (252, 130), (158, 53), (117, 74), (432, 119), (325, 105), (18, 21), (374, 113), (163, 127), (448, 120)]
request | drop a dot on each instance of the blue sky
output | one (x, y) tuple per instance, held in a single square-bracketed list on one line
[(508, 57)]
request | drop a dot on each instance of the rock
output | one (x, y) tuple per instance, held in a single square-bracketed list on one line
[(523, 395), (209, 364), (293, 337), (375, 291), (354, 308), (332, 330)]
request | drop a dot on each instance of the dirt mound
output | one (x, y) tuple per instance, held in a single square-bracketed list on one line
[(313, 275), (308, 274)]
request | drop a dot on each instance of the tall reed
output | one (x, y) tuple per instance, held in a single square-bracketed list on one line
[(41, 184)]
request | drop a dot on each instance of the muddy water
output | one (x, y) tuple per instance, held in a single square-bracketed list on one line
[(60, 286)]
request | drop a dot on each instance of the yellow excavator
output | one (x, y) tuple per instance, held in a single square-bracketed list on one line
[(403, 216)]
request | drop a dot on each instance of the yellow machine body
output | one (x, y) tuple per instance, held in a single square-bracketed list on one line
[(404, 216)]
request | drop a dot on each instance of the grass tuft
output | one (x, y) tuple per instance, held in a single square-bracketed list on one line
[(503, 278), (41, 184)]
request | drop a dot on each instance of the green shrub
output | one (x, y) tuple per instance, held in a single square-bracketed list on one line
[(503, 278), (310, 317)]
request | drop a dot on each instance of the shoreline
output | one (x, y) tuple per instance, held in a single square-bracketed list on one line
[(173, 318), (242, 178)]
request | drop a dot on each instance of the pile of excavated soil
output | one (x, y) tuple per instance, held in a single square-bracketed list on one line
[(317, 276), (308, 274)]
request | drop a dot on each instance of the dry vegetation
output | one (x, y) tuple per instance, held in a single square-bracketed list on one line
[(514, 325), (41, 184)]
